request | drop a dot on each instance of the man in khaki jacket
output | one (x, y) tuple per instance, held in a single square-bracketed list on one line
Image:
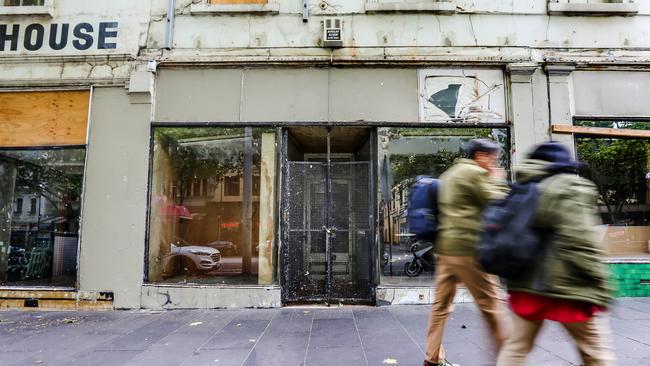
[(465, 190)]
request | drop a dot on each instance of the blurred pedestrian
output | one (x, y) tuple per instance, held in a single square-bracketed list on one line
[(569, 283), (465, 190)]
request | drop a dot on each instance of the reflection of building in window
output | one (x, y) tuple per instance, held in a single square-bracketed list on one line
[(19, 206), (231, 186)]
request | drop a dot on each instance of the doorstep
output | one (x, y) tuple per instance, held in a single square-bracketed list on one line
[(409, 295), (54, 299)]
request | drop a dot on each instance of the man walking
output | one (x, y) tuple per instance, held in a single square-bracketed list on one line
[(465, 190), (569, 283)]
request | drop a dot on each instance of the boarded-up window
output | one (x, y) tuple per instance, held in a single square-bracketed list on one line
[(29, 119), (238, 1)]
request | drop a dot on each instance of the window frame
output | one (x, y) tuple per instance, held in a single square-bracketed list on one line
[(206, 7), (47, 9)]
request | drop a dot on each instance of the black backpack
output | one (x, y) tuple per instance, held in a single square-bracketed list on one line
[(509, 243), (422, 210)]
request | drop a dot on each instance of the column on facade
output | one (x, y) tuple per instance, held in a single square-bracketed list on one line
[(528, 115), (561, 99)]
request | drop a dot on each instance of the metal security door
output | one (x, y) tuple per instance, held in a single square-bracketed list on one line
[(327, 232)]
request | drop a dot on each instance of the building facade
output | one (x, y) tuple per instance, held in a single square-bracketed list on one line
[(214, 153)]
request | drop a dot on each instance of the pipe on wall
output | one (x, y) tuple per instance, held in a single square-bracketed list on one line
[(169, 36)]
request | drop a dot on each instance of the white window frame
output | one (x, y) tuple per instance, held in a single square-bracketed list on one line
[(46, 9), (588, 7), (207, 8)]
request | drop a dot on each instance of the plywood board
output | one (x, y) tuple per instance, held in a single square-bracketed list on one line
[(55, 118), (599, 131)]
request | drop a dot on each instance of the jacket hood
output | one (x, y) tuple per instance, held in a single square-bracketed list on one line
[(533, 169)]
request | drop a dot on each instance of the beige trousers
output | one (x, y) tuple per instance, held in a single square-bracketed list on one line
[(592, 338), (450, 271)]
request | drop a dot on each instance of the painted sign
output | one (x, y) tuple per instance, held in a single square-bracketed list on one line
[(81, 36), (462, 95)]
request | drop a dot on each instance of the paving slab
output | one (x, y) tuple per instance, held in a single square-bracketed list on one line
[(300, 336)]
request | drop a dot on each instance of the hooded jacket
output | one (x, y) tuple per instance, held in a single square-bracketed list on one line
[(465, 190), (571, 267)]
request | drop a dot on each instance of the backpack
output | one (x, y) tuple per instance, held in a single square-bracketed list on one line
[(422, 211), (509, 243)]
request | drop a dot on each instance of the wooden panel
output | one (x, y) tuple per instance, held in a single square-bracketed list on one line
[(598, 131), (239, 1), (43, 118)]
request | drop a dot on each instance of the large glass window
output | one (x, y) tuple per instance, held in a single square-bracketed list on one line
[(621, 170), (40, 203), (213, 206), (405, 153)]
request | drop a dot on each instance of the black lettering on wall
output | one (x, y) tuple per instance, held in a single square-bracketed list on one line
[(84, 40), (54, 31), (28, 42), (106, 30), (13, 37)]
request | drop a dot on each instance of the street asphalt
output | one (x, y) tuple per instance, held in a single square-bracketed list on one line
[(313, 336)]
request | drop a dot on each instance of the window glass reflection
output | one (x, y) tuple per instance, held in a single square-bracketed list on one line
[(404, 154), (621, 171), (207, 221), (40, 204)]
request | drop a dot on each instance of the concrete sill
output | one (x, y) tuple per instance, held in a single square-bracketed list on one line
[(443, 7), (600, 9), (207, 9), (27, 10)]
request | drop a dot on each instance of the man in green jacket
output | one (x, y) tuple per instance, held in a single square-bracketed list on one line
[(465, 190), (569, 283)]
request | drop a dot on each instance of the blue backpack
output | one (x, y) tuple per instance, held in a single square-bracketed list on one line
[(509, 243), (422, 212)]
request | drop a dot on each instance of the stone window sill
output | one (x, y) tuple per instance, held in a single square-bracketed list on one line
[(47, 10), (424, 7), (598, 9), (200, 9)]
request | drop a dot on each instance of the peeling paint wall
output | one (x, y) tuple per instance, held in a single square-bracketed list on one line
[(476, 23), (115, 197)]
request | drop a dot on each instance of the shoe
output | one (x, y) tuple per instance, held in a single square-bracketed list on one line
[(443, 363)]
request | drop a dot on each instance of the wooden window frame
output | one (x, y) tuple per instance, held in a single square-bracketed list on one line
[(46, 9)]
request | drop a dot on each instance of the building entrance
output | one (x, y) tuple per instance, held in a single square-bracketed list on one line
[(327, 215)]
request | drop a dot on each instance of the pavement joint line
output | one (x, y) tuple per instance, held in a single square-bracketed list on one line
[(212, 336), (363, 349), (259, 338), (407, 332), (311, 327)]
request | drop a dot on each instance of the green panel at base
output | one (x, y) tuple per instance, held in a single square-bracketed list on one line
[(631, 279)]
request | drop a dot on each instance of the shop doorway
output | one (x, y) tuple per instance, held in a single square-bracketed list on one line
[(327, 215)]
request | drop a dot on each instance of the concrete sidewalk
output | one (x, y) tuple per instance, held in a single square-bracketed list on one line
[(288, 336)]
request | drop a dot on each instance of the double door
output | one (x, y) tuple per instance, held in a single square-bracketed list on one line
[(327, 225)]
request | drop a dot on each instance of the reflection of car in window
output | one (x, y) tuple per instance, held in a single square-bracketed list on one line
[(197, 259)]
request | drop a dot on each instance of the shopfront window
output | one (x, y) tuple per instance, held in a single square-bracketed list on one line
[(405, 153), (212, 218), (40, 202), (620, 168)]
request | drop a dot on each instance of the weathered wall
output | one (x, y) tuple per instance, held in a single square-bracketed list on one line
[(611, 93), (286, 95), (477, 23), (115, 197)]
